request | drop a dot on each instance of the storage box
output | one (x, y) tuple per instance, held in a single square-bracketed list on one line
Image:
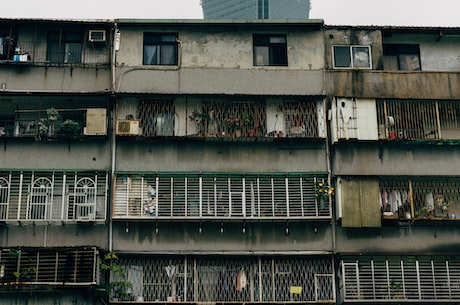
[(20, 57)]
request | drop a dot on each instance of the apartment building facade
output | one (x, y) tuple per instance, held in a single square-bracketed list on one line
[(230, 161), (395, 142)]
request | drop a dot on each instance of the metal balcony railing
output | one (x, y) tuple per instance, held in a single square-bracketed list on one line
[(220, 196), (252, 279), (220, 119), (418, 119), (45, 53), (420, 198), (71, 267), (400, 279), (53, 196)]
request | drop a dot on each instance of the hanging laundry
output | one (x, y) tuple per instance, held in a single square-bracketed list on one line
[(241, 280)]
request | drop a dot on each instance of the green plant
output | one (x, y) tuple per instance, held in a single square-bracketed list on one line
[(70, 128), (119, 287), (323, 190)]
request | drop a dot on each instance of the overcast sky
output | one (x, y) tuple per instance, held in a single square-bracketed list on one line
[(334, 12)]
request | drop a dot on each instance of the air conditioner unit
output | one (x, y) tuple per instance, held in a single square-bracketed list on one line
[(128, 127), (96, 36)]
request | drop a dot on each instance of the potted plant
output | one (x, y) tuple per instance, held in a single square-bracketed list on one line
[(70, 128), (233, 126), (117, 286)]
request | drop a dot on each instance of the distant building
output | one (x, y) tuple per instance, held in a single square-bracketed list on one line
[(256, 9)]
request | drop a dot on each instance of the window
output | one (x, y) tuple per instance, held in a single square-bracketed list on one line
[(270, 50), (64, 47), (346, 57), (4, 197), (401, 57), (160, 49)]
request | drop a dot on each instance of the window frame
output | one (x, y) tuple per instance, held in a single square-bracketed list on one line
[(159, 40), (351, 55), (276, 52)]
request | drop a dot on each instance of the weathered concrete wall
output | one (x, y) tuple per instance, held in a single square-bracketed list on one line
[(393, 84), (395, 160), (28, 154), (221, 61), (182, 238), (68, 79), (53, 235), (436, 53), (347, 36), (219, 156), (405, 238)]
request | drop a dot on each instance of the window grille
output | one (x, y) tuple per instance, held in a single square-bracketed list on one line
[(156, 117), (220, 118), (230, 279), (420, 198), (54, 196), (4, 196), (66, 266), (219, 196), (301, 119), (418, 120), (408, 278)]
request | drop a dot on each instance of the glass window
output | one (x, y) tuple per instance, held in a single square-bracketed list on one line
[(160, 49), (270, 50), (352, 57)]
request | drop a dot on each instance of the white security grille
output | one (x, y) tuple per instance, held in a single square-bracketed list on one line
[(63, 266), (408, 278), (230, 279), (219, 196), (4, 196), (53, 196)]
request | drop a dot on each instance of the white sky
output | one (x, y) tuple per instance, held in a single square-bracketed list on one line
[(334, 12)]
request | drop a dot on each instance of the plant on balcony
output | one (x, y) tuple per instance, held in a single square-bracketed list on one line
[(323, 191), (200, 119), (70, 128), (233, 126), (120, 287), (45, 126), (248, 124)]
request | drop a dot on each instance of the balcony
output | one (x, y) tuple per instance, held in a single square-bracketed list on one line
[(53, 196), (425, 120), (55, 53), (33, 267), (255, 279), (221, 119), (409, 279), (20, 117), (420, 198), (189, 196)]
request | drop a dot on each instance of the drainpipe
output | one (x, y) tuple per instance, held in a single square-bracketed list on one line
[(115, 48)]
